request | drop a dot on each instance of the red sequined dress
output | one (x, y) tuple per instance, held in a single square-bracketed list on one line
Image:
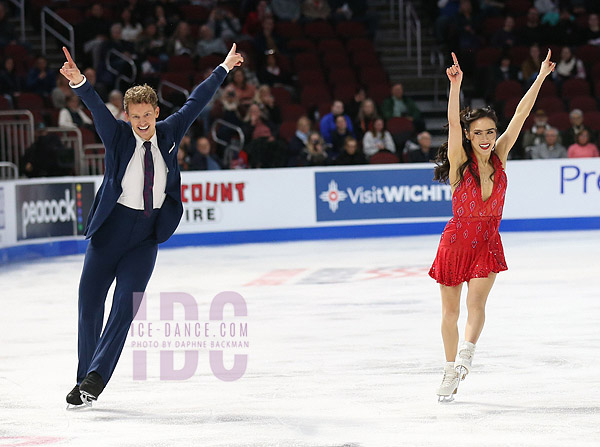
[(470, 246)]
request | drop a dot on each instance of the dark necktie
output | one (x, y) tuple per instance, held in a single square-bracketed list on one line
[(148, 179)]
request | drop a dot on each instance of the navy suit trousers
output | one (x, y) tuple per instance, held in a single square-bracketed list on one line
[(124, 248)]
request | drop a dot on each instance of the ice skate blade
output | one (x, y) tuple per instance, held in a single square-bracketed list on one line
[(462, 373), (87, 398), (446, 399), (82, 407)]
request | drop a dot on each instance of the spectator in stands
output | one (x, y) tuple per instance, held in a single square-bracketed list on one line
[(399, 105), (592, 32), (569, 136), (249, 71), (41, 79), (266, 102), (186, 144), (160, 18), (92, 32), (378, 139), (536, 135), (315, 9), (244, 90), (286, 10), (353, 107), (10, 82), (565, 31), (208, 43), (505, 37), (315, 154), (502, 71), (298, 143), (100, 87), (43, 157), (532, 32), (351, 153), (271, 72), (151, 43), (253, 123), (468, 33), (182, 41), (254, 19), (548, 148), (582, 147), (530, 66), (422, 151), (366, 118), (231, 105), (132, 29), (267, 40), (338, 136), (205, 116), (447, 12), (183, 159), (224, 24), (61, 92), (73, 115), (569, 66), (327, 124), (7, 31), (115, 105), (115, 42), (263, 149), (203, 160)]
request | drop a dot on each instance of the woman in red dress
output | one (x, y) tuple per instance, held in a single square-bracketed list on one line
[(473, 161)]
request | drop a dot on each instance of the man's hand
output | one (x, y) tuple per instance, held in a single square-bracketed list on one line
[(233, 59), (69, 70)]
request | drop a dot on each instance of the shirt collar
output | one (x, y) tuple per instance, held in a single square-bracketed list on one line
[(139, 141)]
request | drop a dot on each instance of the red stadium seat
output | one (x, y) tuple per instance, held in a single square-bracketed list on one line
[(344, 92), (397, 125), (510, 105), (583, 103), (550, 104), (592, 120), (383, 157), (291, 112), (305, 61), (365, 59), (508, 89), (378, 92), (575, 87), (181, 79), (319, 29), (518, 54), (5, 103), (71, 15), (313, 95), (298, 45), (29, 101), (287, 130), (548, 89), (372, 75), (560, 120), (289, 30), (342, 75), (281, 95), (331, 46), (211, 61), (350, 29), (311, 76), (181, 63), (194, 13), (359, 44), (589, 54), (335, 60), (487, 56)]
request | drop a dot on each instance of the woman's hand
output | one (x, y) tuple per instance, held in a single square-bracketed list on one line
[(547, 65), (454, 72)]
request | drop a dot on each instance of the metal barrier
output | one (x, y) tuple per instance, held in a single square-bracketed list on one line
[(230, 149), (7, 166), (16, 134), (93, 159), (21, 5), (119, 74), (71, 138), (70, 42), (413, 27), (176, 87)]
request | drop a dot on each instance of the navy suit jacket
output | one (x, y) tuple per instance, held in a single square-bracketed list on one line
[(119, 141)]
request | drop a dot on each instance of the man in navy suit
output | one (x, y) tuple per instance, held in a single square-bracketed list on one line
[(137, 207)]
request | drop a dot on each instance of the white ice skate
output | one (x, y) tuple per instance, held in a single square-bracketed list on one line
[(449, 385), (464, 359)]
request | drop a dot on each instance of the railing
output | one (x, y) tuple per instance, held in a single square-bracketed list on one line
[(16, 134), (93, 159), (21, 5), (119, 74), (436, 58), (413, 28), (70, 42), (230, 149), (170, 85), (7, 166), (71, 138)]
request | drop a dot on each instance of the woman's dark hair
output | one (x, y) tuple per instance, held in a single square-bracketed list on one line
[(467, 117)]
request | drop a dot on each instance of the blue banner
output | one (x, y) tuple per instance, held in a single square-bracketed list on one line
[(393, 193)]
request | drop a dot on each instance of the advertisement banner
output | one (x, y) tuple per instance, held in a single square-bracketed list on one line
[(52, 209), (380, 194)]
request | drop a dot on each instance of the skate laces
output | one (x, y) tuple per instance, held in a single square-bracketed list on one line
[(466, 353), (449, 376)]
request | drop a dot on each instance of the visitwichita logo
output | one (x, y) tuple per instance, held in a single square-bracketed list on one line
[(380, 194)]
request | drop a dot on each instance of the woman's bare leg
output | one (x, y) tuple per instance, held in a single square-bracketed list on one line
[(479, 289), (450, 312)]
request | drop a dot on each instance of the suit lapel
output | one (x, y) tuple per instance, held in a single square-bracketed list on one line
[(126, 156)]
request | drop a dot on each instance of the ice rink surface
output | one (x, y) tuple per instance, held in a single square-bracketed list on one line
[(344, 350)]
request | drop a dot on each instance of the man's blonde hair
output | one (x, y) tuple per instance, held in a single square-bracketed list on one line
[(140, 94)]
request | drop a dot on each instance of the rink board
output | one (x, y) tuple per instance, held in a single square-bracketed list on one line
[(46, 217)]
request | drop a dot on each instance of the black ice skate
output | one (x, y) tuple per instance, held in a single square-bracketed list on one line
[(74, 398), (91, 387)]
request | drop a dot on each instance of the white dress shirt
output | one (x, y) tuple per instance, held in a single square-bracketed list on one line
[(133, 180)]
